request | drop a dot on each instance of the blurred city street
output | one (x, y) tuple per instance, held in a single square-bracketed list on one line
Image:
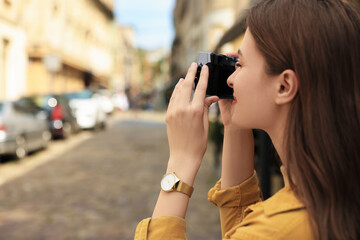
[(83, 89), (99, 185)]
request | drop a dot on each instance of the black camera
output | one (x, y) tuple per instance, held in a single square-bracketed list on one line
[(220, 68)]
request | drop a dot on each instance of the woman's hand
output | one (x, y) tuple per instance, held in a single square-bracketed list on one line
[(187, 125), (187, 129)]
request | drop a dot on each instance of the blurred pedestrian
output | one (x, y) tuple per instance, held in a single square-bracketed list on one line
[(121, 101), (298, 78)]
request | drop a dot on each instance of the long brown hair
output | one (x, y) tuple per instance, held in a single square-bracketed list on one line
[(320, 41)]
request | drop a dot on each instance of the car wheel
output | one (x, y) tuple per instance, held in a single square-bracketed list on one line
[(102, 125), (99, 126), (67, 130), (46, 137), (20, 151)]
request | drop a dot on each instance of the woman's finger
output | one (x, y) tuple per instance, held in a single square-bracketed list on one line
[(187, 85), (175, 93), (210, 100), (200, 91), (233, 54)]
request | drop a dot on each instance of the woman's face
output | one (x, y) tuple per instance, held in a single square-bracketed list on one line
[(253, 105)]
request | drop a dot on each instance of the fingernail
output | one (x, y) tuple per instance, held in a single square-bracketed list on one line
[(193, 64), (204, 67)]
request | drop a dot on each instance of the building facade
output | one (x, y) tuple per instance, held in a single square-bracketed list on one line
[(13, 58), (199, 26), (127, 64), (58, 46), (70, 46)]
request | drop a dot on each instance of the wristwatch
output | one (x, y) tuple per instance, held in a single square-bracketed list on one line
[(170, 182)]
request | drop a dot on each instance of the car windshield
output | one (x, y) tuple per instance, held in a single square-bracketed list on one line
[(43, 101)]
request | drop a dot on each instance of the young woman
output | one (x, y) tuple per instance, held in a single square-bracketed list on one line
[(298, 78)]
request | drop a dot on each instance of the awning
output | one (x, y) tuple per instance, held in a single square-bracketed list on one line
[(234, 32)]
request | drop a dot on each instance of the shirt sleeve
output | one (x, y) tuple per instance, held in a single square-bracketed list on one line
[(233, 201), (163, 227)]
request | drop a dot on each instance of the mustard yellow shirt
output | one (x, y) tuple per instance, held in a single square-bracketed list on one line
[(243, 215)]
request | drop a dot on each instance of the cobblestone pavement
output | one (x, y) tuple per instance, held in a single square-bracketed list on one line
[(99, 188)]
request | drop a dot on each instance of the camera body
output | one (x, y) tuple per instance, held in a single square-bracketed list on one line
[(220, 68)]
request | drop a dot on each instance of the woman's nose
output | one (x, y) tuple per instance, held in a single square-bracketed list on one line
[(230, 80)]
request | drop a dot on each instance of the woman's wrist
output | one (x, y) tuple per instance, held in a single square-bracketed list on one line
[(185, 169), (175, 203), (235, 130), (238, 156)]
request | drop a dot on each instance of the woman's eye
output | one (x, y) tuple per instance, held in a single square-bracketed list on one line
[(237, 65)]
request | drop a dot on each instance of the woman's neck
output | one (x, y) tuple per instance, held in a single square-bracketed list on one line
[(276, 133)]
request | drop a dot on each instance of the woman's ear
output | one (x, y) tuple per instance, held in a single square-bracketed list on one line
[(286, 87)]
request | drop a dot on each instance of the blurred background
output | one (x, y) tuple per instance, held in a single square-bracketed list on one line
[(84, 86)]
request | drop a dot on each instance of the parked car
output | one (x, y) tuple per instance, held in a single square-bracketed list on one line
[(61, 120), (106, 101), (87, 108), (23, 128)]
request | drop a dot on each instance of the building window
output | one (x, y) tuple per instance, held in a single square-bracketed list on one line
[(55, 8), (7, 3), (4, 49)]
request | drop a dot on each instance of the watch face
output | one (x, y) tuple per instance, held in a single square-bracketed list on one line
[(168, 182)]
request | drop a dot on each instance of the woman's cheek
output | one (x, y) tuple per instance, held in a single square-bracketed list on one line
[(245, 107)]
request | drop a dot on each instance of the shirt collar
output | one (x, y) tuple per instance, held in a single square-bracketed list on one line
[(282, 201)]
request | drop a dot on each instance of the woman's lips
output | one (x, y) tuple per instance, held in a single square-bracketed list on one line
[(234, 101)]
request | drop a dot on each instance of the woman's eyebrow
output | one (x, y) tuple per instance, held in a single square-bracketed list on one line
[(240, 53)]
